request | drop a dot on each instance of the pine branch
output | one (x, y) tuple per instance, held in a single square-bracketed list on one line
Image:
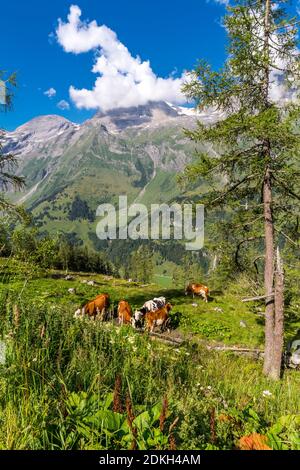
[(287, 189), (252, 222), (286, 237), (246, 240), (232, 188)]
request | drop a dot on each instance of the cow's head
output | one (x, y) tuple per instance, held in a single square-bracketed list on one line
[(138, 315), (160, 301), (137, 319)]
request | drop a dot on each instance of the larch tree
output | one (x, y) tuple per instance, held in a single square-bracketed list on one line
[(8, 161), (254, 175)]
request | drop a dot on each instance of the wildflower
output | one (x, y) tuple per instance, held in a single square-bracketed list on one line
[(16, 315), (172, 441), (223, 418), (212, 425), (187, 353), (130, 419), (9, 335), (163, 414), (253, 442), (42, 331), (208, 387), (266, 393), (34, 359)]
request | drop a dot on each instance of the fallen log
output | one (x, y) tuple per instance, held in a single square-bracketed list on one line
[(164, 338), (169, 339), (178, 342), (254, 353), (259, 297), (235, 349)]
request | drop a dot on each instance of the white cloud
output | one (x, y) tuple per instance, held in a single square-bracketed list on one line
[(50, 93), (222, 2), (63, 104), (123, 80)]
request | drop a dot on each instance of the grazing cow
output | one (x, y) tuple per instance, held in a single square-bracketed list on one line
[(149, 306), (124, 312), (155, 304), (158, 318), (160, 301), (137, 320), (197, 289), (98, 306)]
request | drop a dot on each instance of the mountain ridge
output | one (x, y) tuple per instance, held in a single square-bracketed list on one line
[(136, 151)]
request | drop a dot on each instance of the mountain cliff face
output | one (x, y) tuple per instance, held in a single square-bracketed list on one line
[(70, 169)]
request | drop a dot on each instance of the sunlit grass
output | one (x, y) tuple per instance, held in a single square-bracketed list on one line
[(60, 372)]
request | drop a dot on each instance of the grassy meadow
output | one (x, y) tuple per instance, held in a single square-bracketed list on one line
[(80, 384)]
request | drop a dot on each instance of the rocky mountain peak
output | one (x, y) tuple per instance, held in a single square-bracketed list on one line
[(150, 114)]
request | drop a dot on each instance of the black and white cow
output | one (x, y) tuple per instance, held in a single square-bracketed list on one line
[(149, 306)]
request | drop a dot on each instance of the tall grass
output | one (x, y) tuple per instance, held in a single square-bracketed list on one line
[(60, 375)]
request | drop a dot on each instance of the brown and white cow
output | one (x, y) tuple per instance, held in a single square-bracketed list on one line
[(95, 308), (124, 312), (197, 289), (158, 318), (149, 306)]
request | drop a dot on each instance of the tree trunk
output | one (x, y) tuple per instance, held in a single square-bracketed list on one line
[(275, 370), (269, 273), (268, 215)]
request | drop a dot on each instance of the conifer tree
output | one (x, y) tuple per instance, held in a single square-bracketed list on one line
[(255, 174), (8, 162)]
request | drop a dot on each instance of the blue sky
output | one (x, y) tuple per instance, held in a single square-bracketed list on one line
[(171, 34)]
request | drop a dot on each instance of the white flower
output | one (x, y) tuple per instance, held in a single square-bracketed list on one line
[(266, 393), (209, 387), (34, 359)]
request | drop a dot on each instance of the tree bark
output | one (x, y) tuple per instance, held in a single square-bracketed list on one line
[(275, 370), (268, 273), (268, 216)]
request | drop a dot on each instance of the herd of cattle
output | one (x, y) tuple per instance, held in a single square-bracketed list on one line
[(154, 313)]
